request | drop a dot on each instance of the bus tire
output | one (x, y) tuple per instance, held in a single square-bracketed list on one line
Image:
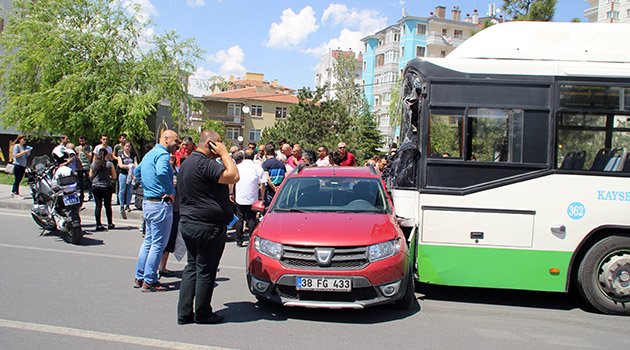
[(603, 278)]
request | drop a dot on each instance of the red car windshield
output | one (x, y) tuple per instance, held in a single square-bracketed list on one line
[(332, 194)]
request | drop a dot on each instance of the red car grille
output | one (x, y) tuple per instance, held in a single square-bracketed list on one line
[(344, 258)]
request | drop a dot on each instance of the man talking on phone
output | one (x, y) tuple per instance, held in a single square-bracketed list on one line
[(205, 211)]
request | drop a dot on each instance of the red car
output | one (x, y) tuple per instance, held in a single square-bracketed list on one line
[(330, 239)]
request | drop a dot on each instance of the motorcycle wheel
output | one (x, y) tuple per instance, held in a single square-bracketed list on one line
[(76, 235)]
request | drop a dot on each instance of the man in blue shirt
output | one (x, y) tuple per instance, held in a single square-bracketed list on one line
[(156, 175)]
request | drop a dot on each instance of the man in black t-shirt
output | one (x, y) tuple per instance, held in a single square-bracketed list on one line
[(202, 184)]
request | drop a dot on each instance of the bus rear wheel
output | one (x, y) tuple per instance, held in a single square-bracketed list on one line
[(604, 275)]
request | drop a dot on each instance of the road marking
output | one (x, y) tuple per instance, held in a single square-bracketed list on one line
[(133, 258), (110, 337)]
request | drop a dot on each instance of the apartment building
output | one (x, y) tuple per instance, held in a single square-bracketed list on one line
[(246, 112), (325, 72), (387, 51), (608, 11)]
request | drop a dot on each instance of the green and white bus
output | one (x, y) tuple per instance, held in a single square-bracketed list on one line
[(512, 168)]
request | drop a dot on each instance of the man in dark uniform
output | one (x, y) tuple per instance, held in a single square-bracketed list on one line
[(205, 211)]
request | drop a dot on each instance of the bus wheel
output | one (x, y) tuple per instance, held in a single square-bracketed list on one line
[(604, 275)]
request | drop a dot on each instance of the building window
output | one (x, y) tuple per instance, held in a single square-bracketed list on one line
[(377, 101), (420, 51), (612, 15), (396, 37), (257, 111), (392, 57), (444, 31), (421, 29), (281, 112), (254, 135), (402, 52), (458, 33), (380, 60), (403, 29), (234, 110), (232, 133), (384, 122)]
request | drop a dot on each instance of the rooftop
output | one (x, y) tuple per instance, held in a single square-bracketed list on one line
[(251, 93)]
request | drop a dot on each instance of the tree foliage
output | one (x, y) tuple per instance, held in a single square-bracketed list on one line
[(79, 67), (313, 121), (210, 124), (530, 10)]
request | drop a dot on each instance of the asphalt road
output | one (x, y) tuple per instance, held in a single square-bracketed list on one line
[(58, 296)]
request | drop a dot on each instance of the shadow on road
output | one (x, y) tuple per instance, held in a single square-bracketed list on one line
[(87, 241), (505, 297), (241, 312), (246, 311)]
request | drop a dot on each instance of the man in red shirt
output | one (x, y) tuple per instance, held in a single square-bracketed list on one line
[(347, 158), (186, 148)]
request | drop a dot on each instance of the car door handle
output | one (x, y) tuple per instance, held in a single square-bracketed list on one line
[(476, 235)]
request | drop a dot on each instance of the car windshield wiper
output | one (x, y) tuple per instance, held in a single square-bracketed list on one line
[(291, 210)]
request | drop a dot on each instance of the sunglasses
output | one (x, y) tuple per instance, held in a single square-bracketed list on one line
[(342, 148)]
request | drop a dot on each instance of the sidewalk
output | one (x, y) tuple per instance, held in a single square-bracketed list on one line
[(25, 202)]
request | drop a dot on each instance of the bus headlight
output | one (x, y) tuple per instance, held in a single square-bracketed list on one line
[(268, 248), (383, 250)]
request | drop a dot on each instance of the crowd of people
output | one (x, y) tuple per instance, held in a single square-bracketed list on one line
[(194, 191)]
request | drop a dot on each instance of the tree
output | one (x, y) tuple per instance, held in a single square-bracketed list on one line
[(314, 121), (363, 134), (210, 124), (78, 67), (530, 10)]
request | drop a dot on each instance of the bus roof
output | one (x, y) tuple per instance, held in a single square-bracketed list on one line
[(544, 48), (591, 42)]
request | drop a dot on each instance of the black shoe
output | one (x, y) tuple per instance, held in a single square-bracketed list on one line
[(111, 226), (185, 320), (166, 273), (212, 319), (100, 228), (137, 283), (123, 214), (239, 243)]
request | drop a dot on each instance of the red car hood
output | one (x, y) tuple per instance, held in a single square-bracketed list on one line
[(328, 229)]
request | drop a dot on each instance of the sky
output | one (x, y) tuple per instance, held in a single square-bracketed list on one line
[(285, 39)]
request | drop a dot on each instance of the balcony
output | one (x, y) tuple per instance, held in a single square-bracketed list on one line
[(229, 120), (441, 40)]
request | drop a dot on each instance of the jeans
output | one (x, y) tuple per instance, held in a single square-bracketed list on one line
[(125, 190), (18, 172), (102, 197), (158, 218), (245, 214), (204, 244)]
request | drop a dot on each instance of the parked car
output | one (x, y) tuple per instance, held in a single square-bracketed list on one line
[(330, 239)]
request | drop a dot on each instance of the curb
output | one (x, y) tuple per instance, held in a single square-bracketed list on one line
[(26, 204)]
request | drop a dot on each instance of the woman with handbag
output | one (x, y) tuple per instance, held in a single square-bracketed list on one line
[(20, 153)]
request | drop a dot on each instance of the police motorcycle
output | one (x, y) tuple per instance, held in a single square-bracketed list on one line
[(56, 196)]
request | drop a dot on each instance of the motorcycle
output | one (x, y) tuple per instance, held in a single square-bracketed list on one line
[(56, 202)]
